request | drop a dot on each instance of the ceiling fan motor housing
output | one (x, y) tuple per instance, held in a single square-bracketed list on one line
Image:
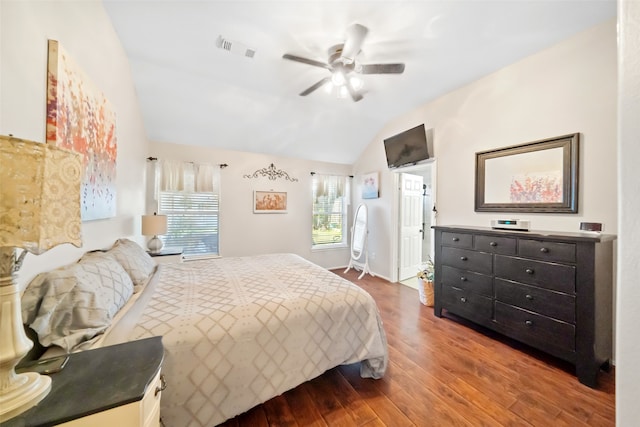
[(335, 52)]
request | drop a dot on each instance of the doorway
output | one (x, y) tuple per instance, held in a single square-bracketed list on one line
[(406, 263), (410, 225)]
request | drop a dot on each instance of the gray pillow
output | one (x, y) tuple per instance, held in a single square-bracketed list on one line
[(73, 304), (135, 260)]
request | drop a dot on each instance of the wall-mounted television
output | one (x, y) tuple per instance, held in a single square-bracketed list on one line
[(407, 148)]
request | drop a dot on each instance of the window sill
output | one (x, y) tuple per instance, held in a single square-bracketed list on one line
[(194, 257), (329, 247)]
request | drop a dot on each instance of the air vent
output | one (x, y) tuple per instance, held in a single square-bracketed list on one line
[(234, 47)]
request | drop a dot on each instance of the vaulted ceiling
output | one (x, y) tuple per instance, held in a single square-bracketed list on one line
[(193, 92)]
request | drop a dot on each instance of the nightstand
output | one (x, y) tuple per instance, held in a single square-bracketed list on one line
[(118, 385), (168, 255)]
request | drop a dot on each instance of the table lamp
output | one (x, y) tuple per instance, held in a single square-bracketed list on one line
[(153, 225), (39, 209)]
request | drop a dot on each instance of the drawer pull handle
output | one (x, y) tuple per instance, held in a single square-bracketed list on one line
[(528, 322), (494, 244), (163, 385), (529, 297), (463, 279), (455, 239), (529, 270), (544, 250), (463, 258), (463, 299)]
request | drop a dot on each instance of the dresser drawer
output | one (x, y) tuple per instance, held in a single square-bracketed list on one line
[(549, 303), (459, 240), (467, 304), (547, 251), (548, 275), (480, 262), (467, 280), (535, 329), (151, 401), (495, 244)]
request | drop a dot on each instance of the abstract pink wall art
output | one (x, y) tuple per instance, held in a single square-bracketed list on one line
[(80, 118)]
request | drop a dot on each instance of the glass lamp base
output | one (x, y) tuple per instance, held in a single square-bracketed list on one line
[(155, 245)]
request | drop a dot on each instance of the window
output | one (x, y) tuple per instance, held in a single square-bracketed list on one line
[(187, 193), (330, 201), (192, 221)]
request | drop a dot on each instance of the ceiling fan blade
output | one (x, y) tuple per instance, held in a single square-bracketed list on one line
[(382, 68), (354, 95), (315, 86), (353, 42), (306, 61)]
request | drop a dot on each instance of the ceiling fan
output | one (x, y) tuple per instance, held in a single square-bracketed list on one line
[(342, 63)]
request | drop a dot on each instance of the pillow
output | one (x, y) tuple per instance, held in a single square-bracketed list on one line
[(135, 260), (73, 304)]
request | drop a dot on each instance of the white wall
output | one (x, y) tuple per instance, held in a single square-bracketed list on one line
[(85, 32), (628, 341), (241, 231), (570, 87)]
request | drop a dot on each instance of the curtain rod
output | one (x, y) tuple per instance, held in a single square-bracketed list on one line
[(313, 173), (153, 159)]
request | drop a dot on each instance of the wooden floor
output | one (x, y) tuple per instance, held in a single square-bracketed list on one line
[(441, 373)]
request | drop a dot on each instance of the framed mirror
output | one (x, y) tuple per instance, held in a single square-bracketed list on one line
[(540, 176), (359, 233)]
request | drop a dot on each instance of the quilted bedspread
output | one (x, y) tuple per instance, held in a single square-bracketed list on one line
[(239, 331)]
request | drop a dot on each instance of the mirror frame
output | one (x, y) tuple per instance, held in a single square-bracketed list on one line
[(361, 208), (569, 144)]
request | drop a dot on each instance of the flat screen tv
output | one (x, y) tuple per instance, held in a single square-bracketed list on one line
[(407, 148)]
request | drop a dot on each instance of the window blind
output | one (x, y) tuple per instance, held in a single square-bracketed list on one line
[(192, 221)]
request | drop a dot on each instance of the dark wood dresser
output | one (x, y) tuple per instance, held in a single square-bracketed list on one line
[(550, 290)]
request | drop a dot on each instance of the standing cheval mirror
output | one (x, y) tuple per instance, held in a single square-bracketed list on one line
[(359, 232)]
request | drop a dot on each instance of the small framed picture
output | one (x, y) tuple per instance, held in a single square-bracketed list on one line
[(370, 186), (269, 202)]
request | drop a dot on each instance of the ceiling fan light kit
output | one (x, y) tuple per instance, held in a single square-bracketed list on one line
[(356, 82), (341, 88), (338, 78), (343, 65)]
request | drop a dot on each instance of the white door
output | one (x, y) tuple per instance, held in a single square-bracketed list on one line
[(410, 225)]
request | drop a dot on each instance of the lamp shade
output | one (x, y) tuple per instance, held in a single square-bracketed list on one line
[(153, 225), (39, 195), (39, 209)]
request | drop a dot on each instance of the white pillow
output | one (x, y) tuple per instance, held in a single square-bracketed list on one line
[(135, 260), (73, 304)]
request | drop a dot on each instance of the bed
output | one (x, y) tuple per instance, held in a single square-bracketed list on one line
[(236, 331)]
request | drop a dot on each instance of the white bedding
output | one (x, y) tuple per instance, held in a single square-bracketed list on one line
[(239, 331)]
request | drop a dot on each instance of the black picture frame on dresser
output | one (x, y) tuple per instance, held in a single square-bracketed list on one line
[(536, 163), (550, 290)]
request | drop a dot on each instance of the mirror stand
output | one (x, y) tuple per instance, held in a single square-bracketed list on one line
[(360, 267), (359, 233)]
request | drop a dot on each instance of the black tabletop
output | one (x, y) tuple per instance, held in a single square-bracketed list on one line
[(96, 380)]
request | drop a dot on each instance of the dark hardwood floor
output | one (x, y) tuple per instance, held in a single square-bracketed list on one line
[(441, 373)]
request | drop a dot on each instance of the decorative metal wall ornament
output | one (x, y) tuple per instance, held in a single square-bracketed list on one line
[(272, 173)]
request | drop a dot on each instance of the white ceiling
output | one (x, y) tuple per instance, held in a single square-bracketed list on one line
[(191, 92)]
